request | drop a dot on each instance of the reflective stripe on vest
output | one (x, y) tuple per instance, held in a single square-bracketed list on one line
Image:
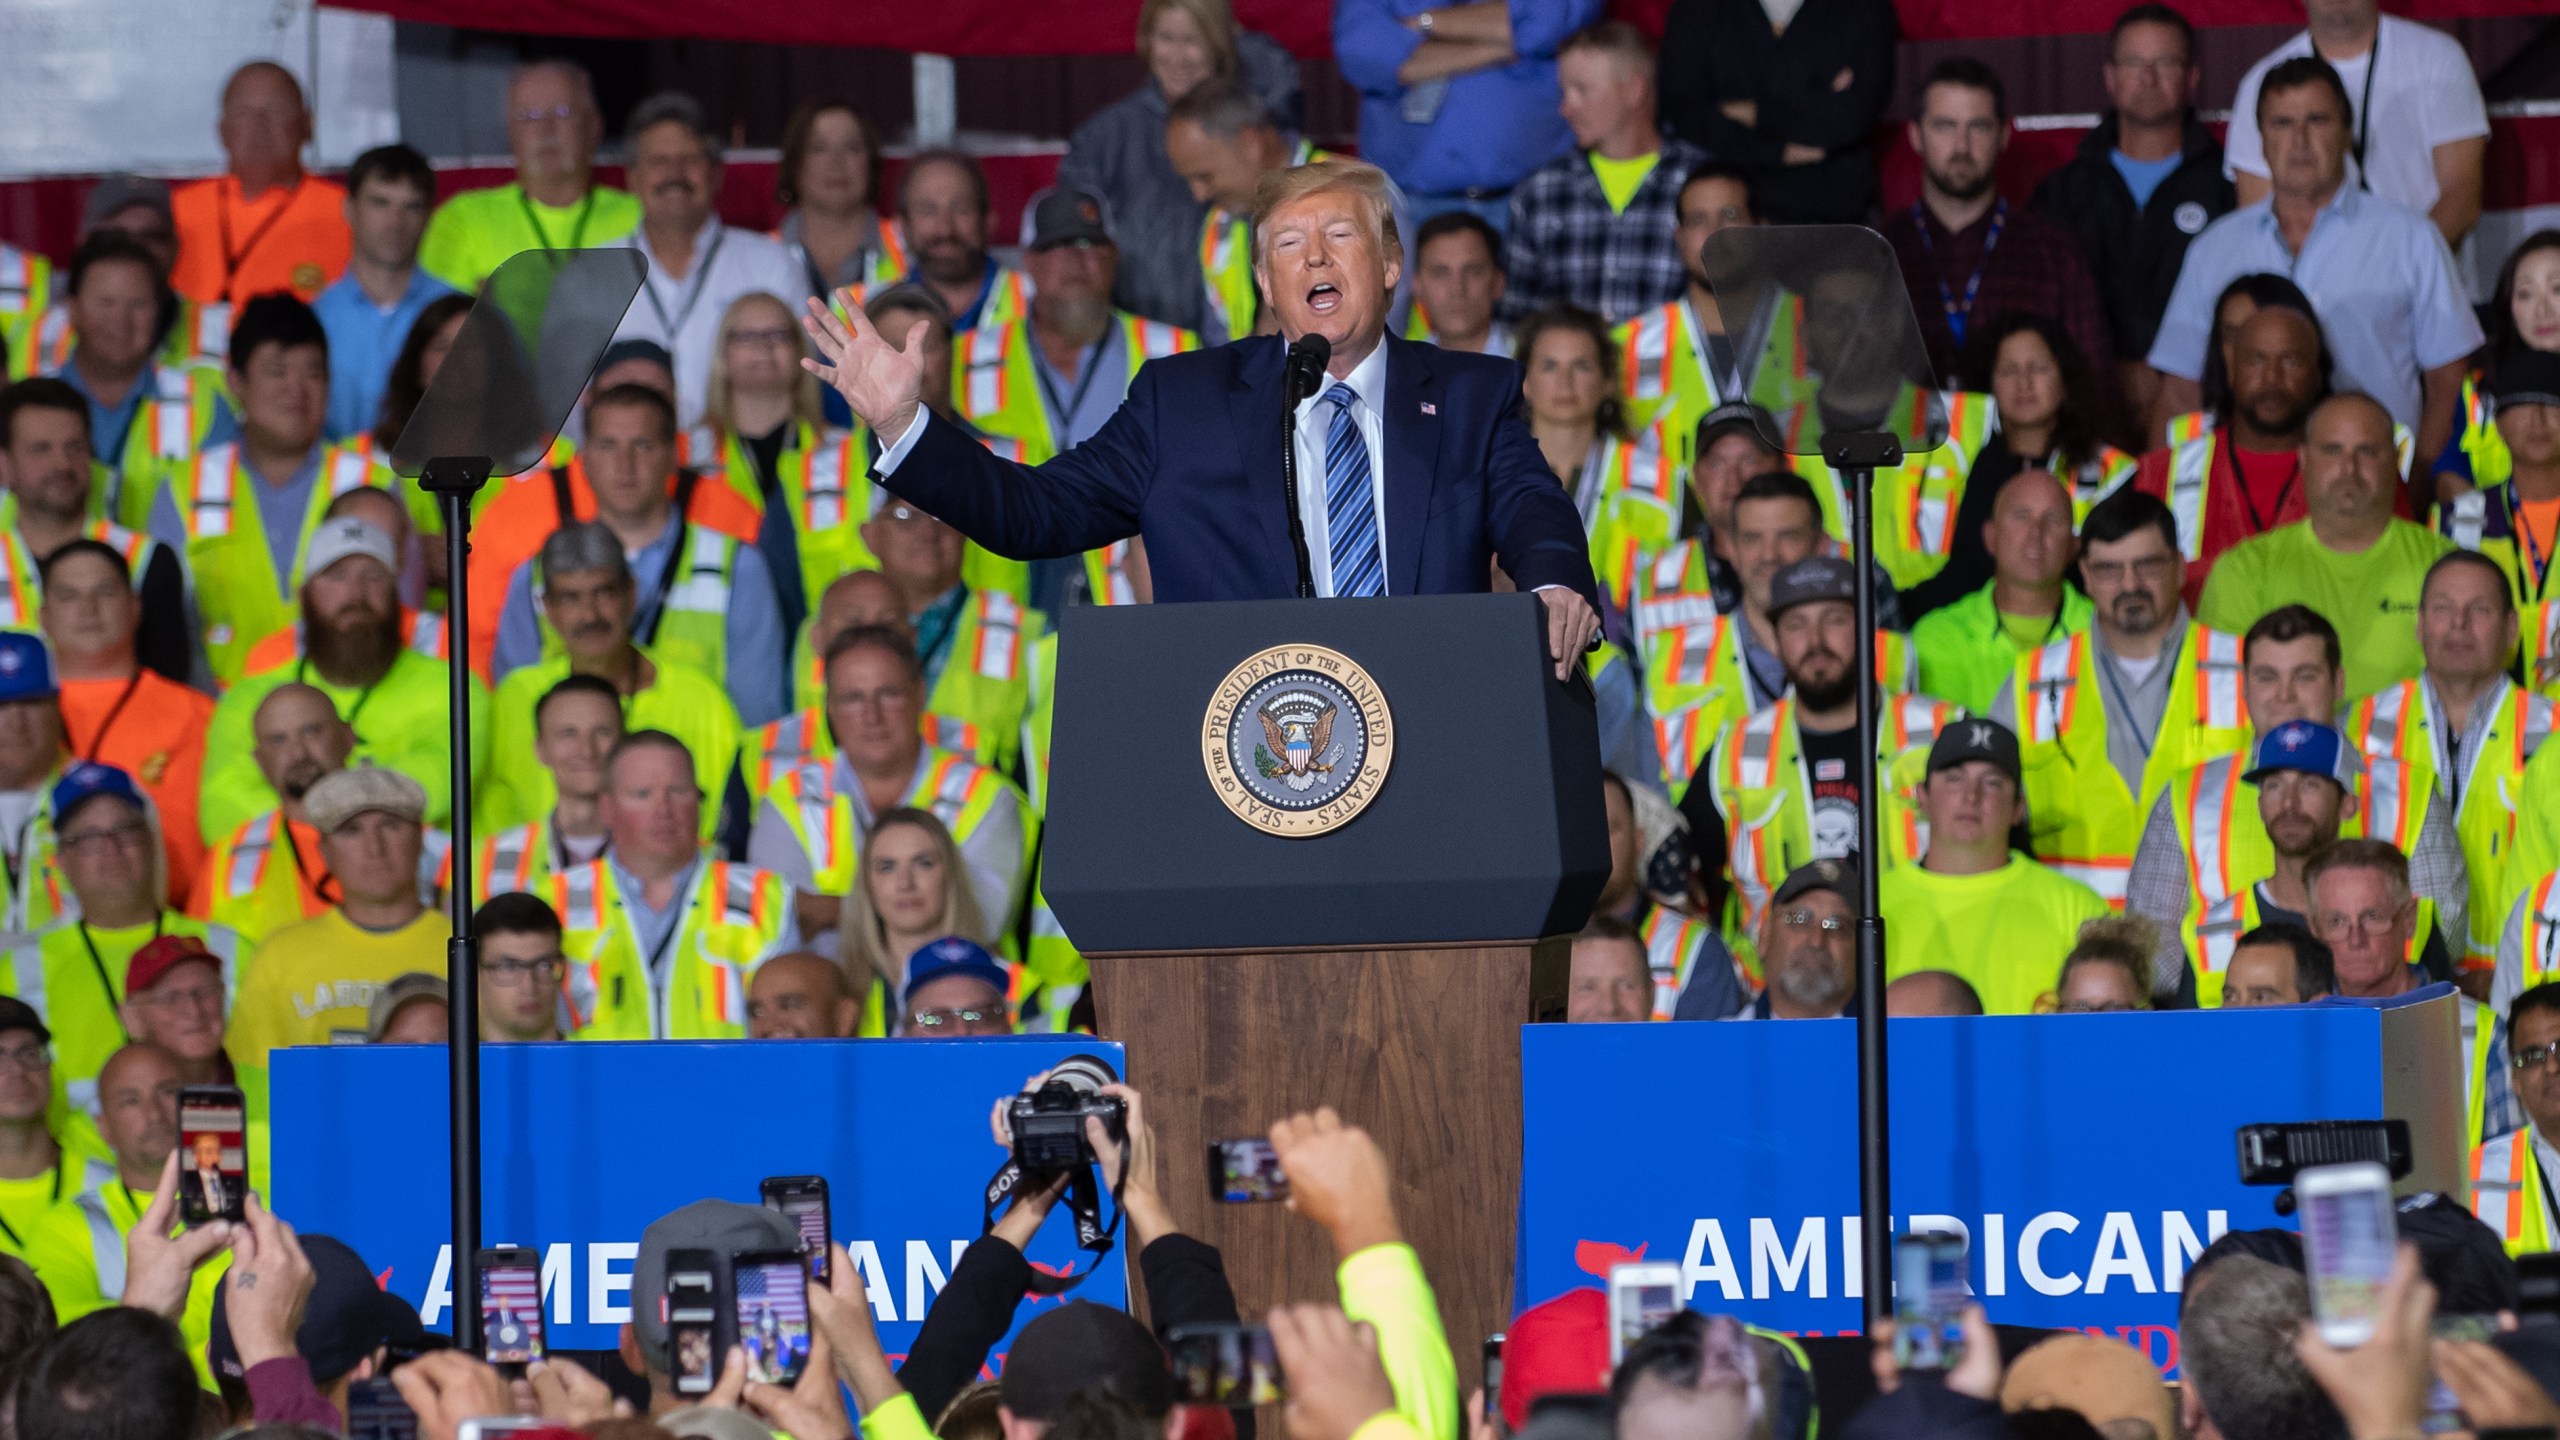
[(1752, 759), (209, 512), (786, 746), (2219, 705), (2465, 518), (982, 355), (511, 854), (2541, 934), (2209, 800), (2506, 1185), (251, 849), (2218, 933), (2190, 470), (704, 590), (578, 888), (999, 639), (1648, 353), (1671, 950), (106, 1243), (2053, 685), (173, 417)]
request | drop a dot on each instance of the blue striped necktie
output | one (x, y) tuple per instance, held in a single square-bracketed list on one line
[(1351, 512)]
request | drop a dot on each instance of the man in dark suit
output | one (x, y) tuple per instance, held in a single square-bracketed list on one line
[(1415, 469)]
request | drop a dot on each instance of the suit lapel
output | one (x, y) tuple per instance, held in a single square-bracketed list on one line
[(1413, 451), (1254, 413)]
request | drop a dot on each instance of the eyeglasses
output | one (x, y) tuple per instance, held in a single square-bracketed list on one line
[(192, 997), (133, 834), (1799, 919), (2533, 1057), (26, 1057), (537, 114), (775, 337), (936, 1019), (518, 972), (2115, 571)]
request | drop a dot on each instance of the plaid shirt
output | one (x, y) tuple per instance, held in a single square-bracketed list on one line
[(2036, 268), (1567, 244)]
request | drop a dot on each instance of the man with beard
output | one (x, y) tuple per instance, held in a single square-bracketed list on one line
[(697, 265), (1974, 907), (1967, 256), (2106, 717), (2349, 557), (355, 651), (702, 598), (1049, 378), (266, 874), (46, 464), (2243, 477), (1784, 783), (1810, 938), (2203, 846), (944, 210)]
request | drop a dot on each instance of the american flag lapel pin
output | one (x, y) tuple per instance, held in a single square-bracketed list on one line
[(1430, 409)]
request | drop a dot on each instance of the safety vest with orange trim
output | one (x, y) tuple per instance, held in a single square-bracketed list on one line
[(21, 575), (424, 629), (2488, 520), (1664, 374), (26, 283), (734, 918), (1696, 684), (882, 264), (959, 791), (249, 888), (178, 410), (779, 747), (984, 689), (2508, 1192), (2081, 816), (1226, 266), (1629, 496), (2192, 441), (245, 592), (2401, 723), (996, 384), (1917, 501), (1672, 944)]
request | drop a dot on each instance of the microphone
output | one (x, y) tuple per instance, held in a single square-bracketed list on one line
[(1308, 355)]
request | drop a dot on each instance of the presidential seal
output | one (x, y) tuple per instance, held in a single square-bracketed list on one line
[(1297, 740)]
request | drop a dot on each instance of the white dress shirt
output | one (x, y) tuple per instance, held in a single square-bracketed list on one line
[(684, 314), (1368, 381)]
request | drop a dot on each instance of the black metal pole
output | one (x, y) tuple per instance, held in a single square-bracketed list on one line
[(1875, 1189), (455, 482)]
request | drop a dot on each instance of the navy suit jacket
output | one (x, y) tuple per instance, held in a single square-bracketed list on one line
[(1191, 461)]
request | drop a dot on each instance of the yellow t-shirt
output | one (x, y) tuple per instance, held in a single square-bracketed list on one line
[(2371, 597), (2005, 931), (1619, 178), (22, 1203), (312, 983)]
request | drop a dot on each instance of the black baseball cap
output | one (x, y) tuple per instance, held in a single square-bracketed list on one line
[(2528, 377), (1066, 216), (348, 1317), (1967, 740), (17, 1014), (1815, 577), (1736, 416), (1084, 1346), (1840, 877)]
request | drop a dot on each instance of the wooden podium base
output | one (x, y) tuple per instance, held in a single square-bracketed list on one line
[(1418, 1045)]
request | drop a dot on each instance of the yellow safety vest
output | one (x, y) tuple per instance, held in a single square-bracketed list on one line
[(882, 264), (693, 616), (245, 592), (169, 427), (1662, 372), (959, 792), (74, 977), (26, 281), (2485, 520), (824, 475), (1917, 501), (2507, 1193), (2492, 463), (976, 707), (684, 702), (2080, 815), (996, 384), (1226, 267), (517, 858), (2396, 723), (1672, 944), (77, 1250), (255, 892), (2192, 440), (1054, 973), (1634, 500), (733, 920)]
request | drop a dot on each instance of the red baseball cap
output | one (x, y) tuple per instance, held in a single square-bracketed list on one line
[(159, 957), (1558, 1347)]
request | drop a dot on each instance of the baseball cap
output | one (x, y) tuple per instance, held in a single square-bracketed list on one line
[(26, 671), (2528, 377), (118, 193), (17, 1014), (340, 797), (724, 1228), (2310, 747), (2102, 1378), (1065, 216), (953, 955), (345, 535), (1840, 877), (1733, 416), (1967, 740), (1555, 1347), (1084, 1346), (85, 781), (1815, 577), (153, 962), (347, 1317), (391, 999)]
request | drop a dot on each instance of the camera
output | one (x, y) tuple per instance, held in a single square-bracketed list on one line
[(1048, 1122)]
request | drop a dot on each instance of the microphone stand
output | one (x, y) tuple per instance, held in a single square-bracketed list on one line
[(1300, 373)]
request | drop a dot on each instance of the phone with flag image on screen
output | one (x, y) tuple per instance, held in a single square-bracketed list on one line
[(769, 1296), (803, 1199), (510, 1307), (213, 1154)]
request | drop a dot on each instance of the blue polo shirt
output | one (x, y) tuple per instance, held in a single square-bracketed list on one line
[(364, 341)]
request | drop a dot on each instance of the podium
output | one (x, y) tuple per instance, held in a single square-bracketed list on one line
[(1328, 852)]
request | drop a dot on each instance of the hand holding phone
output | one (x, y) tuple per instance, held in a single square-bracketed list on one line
[(691, 1309), (1641, 1296), (803, 1199), (510, 1308), (1929, 1300), (770, 1303), (1233, 1365), (213, 1153), (2350, 1241), (375, 1411)]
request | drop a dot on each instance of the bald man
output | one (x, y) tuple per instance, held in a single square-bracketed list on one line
[(800, 996), (1931, 993), (263, 224), (265, 874)]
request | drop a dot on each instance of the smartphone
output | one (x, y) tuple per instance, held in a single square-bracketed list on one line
[(1243, 1171), (213, 1155), (510, 1307), (1226, 1364), (769, 1293), (1929, 1296), (804, 1199), (2444, 1408), (1493, 1384), (375, 1411), (2350, 1237), (690, 1306), (1641, 1296)]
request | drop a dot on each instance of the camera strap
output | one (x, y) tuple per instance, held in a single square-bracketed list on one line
[(1083, 1201)]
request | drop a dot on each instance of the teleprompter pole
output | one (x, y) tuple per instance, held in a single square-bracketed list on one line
[(454, 482), (1857, 456)]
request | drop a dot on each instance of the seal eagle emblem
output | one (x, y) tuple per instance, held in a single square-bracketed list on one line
[(1297, 740)]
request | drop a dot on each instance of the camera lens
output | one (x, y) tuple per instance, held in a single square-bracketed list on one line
[(1084, 1074)]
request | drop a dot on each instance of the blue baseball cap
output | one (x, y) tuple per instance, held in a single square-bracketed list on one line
[(2310, 747), (26, 668), (953, 955), (86, 781)]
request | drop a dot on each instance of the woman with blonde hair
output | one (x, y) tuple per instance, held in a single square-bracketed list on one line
[(763, 423), (910, 889), (1119, 153)]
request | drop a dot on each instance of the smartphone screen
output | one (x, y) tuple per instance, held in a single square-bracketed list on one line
[(692, 1314), (213, 1164), (2350, 1237), (1929, 1297), (1244, 1171), (1641, 1297), (1230, 1365), (772, 1289), (510, 1306), (804, 1199), (375, 1411)]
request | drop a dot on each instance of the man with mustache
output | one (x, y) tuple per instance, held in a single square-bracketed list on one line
[(697, 265), (1809, 937), (944, 210)]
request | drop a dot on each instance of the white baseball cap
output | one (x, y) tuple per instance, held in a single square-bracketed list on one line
[(345, 535)]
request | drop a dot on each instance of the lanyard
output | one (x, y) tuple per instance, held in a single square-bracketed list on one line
[(293, 847), (301, 676), (2120, 700), (115, 712), (61, 1162), (2364, 105), (2260, 524), (1062, 413), (2537, 560), (1959, 315), (98, 966), (577, 227), (232, 259), (693, 292)]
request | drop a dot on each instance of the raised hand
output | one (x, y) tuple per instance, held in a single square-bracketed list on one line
[(884, 383)]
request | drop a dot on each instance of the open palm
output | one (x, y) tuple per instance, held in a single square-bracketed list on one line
[(881, 382)]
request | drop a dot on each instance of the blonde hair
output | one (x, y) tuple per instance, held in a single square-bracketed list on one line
[(1217, 28), (862, 941), (806, 405), (1282, 188), (2124, 941)]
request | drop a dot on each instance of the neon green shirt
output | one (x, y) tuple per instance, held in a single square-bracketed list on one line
[(2371, 597), (401, 721), (2005, 931), (1968, 649), (1619, 178), (478, 230)]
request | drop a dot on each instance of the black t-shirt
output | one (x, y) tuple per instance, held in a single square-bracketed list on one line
[(1830, 762)]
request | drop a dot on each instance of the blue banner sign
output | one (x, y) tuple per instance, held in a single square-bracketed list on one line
[(582, 1145)]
